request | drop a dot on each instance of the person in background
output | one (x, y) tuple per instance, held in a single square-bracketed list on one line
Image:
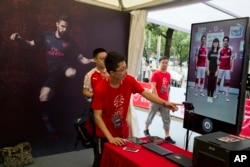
[(58, 48), (160, 81), (212, 69), (146, 72), (183, 80), (226, 67), (200, 68), (111, 101), (93, 77)]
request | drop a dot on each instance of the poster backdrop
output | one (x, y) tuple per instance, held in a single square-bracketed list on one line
[(22, 71)]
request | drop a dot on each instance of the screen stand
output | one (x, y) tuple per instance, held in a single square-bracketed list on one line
[(189, 113), (187, 139), (189, 109)]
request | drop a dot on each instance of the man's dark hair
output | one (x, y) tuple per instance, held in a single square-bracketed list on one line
[(226, 37), (163, 58), (212, 48), (112, 60), (64, 17), (203, 36), (97, 51)]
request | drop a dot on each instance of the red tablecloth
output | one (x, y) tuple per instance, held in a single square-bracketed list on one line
[(245, 128), (115, 156)]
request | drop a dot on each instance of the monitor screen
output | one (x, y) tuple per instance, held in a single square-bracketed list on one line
[(217, 74)]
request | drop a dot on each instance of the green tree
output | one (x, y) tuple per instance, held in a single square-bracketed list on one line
[(152, 32), (180, 46), (168, 42), (174, 43), (166, 33)]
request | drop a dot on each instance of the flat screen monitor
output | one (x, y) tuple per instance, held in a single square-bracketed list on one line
[(216, 82)]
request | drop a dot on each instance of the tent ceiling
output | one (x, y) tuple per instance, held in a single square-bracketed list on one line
[(180, 14), (126, 5)]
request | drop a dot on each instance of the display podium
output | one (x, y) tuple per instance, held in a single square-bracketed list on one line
[(214, 149)]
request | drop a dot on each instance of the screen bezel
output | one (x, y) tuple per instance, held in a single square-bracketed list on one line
[(194, 120)]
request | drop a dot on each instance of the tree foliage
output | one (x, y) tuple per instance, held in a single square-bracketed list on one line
[(180, 46), (174, 43)]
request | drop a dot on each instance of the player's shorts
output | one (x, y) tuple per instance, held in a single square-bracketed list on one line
[(200, 72), (56, 74), (225, 73)]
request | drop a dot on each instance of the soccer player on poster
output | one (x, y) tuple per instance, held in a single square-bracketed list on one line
[(58, 48)]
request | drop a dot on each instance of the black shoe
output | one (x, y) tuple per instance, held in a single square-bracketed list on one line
[(169, 140), (146, 133)]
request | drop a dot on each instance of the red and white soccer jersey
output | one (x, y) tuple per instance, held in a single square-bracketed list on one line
[(92, 78), (225, 58), (201, 56)]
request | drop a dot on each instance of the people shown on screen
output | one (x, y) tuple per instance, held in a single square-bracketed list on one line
[(200, 67), (146, 72), (160, 82), (93, 77), (58, 48), (212, 69), (111, 101), (226, 67)]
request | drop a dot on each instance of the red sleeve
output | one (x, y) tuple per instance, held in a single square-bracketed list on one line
[(98, 96), (154, 77), (137, 88)]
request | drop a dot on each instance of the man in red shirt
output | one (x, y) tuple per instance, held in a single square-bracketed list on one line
[(201, 56), (226, 66), (160, 82), (93, 77), (111, 101)]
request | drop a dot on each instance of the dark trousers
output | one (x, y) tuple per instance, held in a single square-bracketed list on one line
[(45, 113), (98, 149), (145, 80), (211, 84)]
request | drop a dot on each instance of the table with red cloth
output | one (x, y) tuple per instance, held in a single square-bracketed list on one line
[(115, 156)]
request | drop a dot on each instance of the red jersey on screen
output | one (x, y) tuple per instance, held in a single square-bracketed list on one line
[(225, 56), (202, 55), (113, 102), (162, 80)]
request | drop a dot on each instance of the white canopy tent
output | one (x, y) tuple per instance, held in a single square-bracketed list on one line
[(180, 14)]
